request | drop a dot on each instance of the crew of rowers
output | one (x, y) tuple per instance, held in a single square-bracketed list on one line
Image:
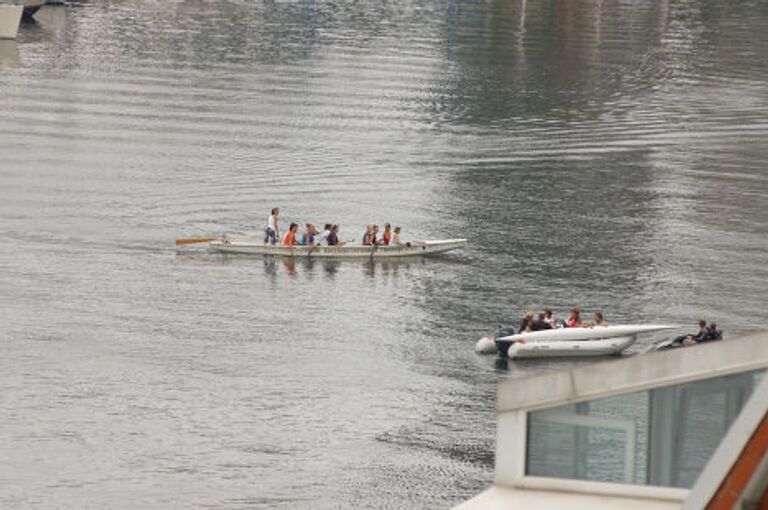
[(388, 237), (329, 236), (546, 320)]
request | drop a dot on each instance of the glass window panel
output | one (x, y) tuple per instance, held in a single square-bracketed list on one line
[(663, 436)]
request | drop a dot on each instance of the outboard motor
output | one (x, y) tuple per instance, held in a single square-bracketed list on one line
[(501, 332)]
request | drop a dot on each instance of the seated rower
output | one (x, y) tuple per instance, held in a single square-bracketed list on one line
[(375, 232), (333, 237), (290, 236), (368, 238), (396, 238), (308, 237), (386, 237)]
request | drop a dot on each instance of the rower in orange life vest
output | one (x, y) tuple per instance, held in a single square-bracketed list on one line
[(386, 237), (290, 237)]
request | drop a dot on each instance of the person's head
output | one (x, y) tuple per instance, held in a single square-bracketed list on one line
[(548, 313), (598, 317), (310, 228), (334, 229), (294, 227), (275, 211), (387, 227), (369, 228), (542, 316), (702, 324), (397, 230), (327, 227), (712, 326), (575, 312), (529, 315), (375, 228)]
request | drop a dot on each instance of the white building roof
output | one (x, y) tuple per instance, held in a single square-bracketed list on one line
[(635, 373)]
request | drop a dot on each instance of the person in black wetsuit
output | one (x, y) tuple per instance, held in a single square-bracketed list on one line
[(712, 334), (693, 338)]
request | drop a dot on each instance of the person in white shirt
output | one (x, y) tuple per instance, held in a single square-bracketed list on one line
[(553, 320), (272, 232), (396, 239), (322, 239)]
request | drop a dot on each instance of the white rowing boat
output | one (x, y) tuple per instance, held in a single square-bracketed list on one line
[(566, 342), (252, 246)]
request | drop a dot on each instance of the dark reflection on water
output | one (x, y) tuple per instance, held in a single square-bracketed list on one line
[(604, 154)]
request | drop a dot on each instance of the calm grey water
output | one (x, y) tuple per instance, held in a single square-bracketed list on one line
[(606, 154)]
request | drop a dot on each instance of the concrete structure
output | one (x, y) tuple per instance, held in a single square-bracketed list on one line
[(10, 17), (636, 432), (736, 476)]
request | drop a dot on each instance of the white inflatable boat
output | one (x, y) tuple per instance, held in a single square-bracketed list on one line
[(566, 342)]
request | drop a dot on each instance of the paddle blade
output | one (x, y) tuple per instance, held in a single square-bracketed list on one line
[(193, 240)]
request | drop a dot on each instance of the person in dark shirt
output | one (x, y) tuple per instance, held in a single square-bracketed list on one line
[(693, 337), (702, 334), (527, 323), (333, 237), (386, 237), (541, 323), (712, 334), (369, 237)]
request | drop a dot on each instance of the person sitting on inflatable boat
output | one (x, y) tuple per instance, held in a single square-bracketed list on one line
[(574, 320), (541, 323)]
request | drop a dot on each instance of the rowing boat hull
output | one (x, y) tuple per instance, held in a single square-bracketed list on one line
[(356, 251)]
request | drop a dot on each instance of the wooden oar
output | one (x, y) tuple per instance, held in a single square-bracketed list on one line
[(193, 240)]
